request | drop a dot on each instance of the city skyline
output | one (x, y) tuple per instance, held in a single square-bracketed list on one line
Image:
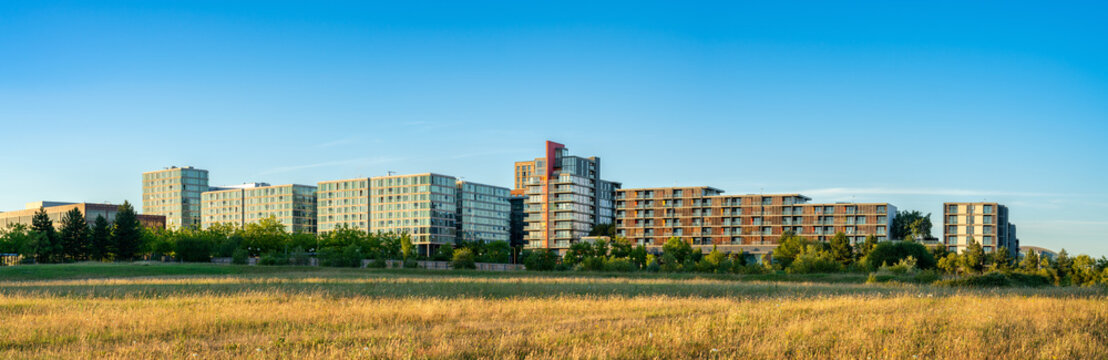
[(910, 106)]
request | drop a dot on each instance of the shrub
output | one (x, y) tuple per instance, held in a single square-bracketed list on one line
[(619, 264), (299, 257), (273, 258), (463, 259), (927, 277), (379, 263), (893, 252), (592, 263), (997, 279), (193, 249), (411, 264), (814, 260), (669, 263), (540, 260), (904, 266), (444, 253), (240, 257)]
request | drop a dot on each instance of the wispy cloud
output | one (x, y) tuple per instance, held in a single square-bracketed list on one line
[(845, 191), (334, 143), (1064, 222), (348, 162)]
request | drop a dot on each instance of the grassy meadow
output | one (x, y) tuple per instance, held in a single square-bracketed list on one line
[(210, 311)]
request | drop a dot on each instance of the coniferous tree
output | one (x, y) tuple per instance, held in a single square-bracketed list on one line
[(126, 233), (100, 239), (74, 236), (1002, 260), (45, 240), (1030, 262), (973, 258), (841, 249)]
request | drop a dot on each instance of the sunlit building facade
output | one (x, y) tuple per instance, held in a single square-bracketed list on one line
[(984, 222), (294, 206), (483, 212), (565, 197), (174, 193), (424, 206), (705, 216), (344, 203)]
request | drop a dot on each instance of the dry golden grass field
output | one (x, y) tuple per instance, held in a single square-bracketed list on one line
[(206, 311)]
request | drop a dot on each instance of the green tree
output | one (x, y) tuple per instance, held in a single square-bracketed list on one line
[(1030, 262), (716, 261), (814, 259), (126, 233), (608, 230), (74, 236), (497, 252), (910, 223), (44, 246), (265, 236), (973, 258), (1084, 271), (540, 260), (949, 263), (100, 239), (841, 249), (576, 253), (14, 239), (464, 259), (891, 253), (600, 248), (405, 246), (864, 249), (678, 249), (444, 253), (621, 247), (788, 247), (638, 256), (1063, 263), (1002, 260)]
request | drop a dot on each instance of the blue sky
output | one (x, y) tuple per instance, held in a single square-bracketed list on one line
[(910, 103)]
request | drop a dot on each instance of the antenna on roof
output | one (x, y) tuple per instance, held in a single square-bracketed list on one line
[(390, 172)]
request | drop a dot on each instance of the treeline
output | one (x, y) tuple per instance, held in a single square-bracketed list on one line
[(77, 240), (795, 254), (124, 239)]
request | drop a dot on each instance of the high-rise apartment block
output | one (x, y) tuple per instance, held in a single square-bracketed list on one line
[(985, 222), (483, 212), (174, 193), (344, 203), (704, 216), (565, 197)]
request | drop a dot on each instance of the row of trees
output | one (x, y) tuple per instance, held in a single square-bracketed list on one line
[(76, 240), (799, 255)]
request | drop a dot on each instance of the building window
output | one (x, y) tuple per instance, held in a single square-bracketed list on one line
[(988, 209), (952, 209)]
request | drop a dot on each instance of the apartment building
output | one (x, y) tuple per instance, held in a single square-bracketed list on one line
[(705, 216), (56, 210), (565, 197), (174, 192), (294, 206), (422, 205), (344, 202), (225, 205), (516, 219), (984, 222), (483, 212)]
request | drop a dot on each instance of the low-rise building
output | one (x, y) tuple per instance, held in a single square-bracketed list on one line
[(56, 211), (705, 217)]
